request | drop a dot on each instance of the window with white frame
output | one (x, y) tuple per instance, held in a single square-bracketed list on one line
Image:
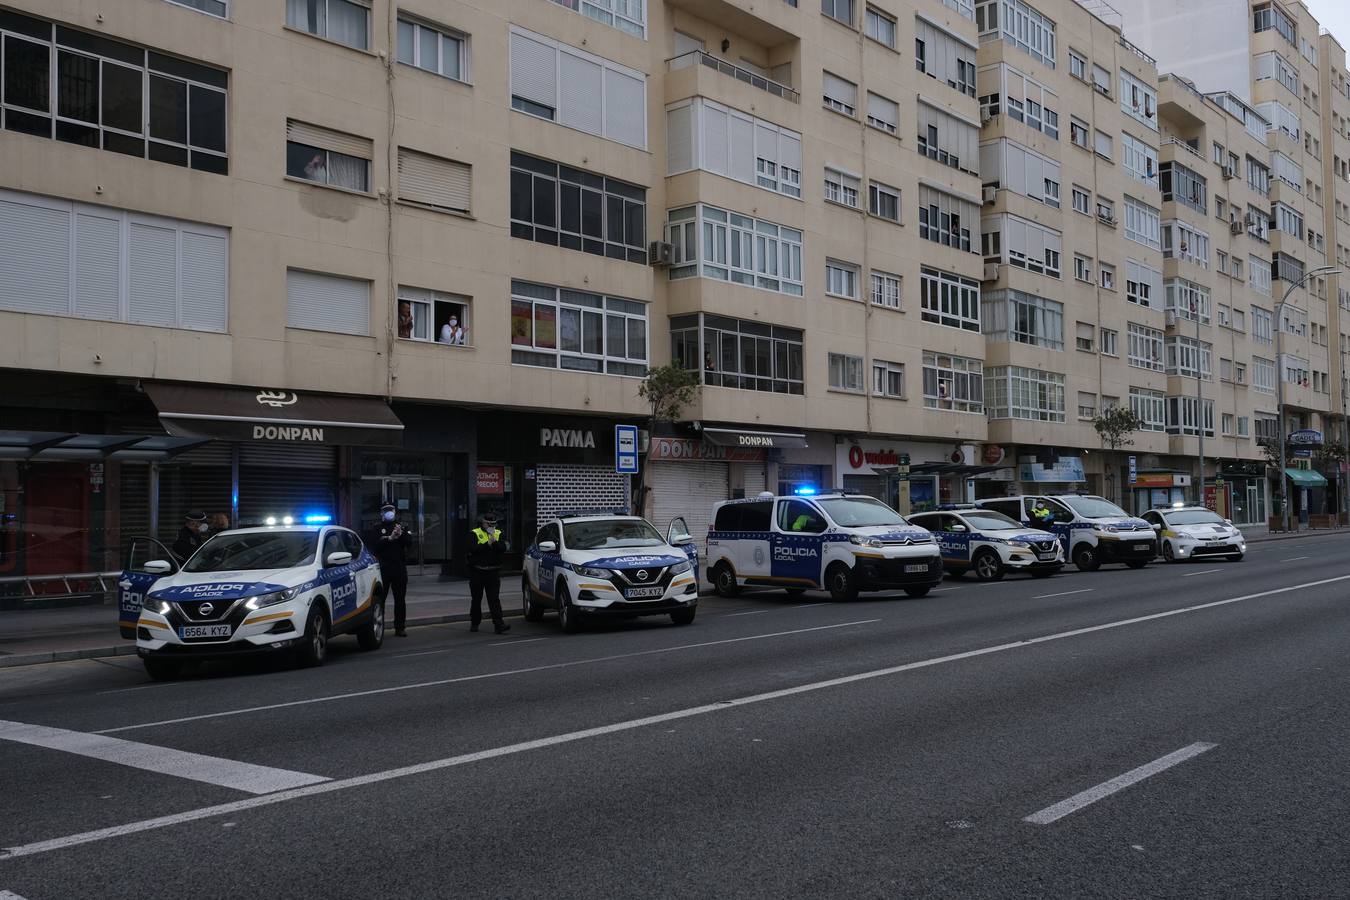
[(342, 21), (1077, 65), (1182, 417), (1188, 300), (1243, 426), (1183, 241), (888, 379), (1263, 325), (1183, 185), (883, 201), (434, 317), (629, 16), (1258, 275), (1106, 210), (946, 219), (1004, 88), (1263, 375), (1106, 276), (1138, 100), (1087, 405), (1079, 132), (328, 157), (1016, 316), (945, 137), (949, 299), (1082, 267), (1020, 242), (1019, 24), (882, 113), (1258, 223), (944, 57), (1084, 332), (1296, 370), (1082, 201), (1007, 164), (1139, 159), (1019, 392), (1108, 344), (840, 94), (1101, 142), (95, 262), (705, 135), (433, 181), (560, 328), (1188, 358), (1101, 80), (842, 188), (885, 289), (580, 90), (1258, 177), (1143, 223), (841, 279), (846, 373), (1239, 322), (1272, 66), (736, 353), (1288, 220), (1149, 406), (321, 302), (880, 26), (442, 51), (1269, 16), (1280, 118), (1144, 347), (839, 10), (1143, 284), (963, 7), (953, 382), (709, 242)]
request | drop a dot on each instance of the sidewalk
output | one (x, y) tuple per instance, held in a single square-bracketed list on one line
[(81, 632)]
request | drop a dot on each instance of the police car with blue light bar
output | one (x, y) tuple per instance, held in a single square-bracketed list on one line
[(282, 587)]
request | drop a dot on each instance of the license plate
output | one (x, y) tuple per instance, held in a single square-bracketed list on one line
[(644, 592), (1142, 546), (205, 631), (1050, 555), (920, 567)]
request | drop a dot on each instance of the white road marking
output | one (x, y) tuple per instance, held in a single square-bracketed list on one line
[(463, 678), (161, 760), (807, 605), (1294, 558), (516, 641), (1119, 783), (1065, 593), (88, 837), (9, 895), (753, 612), (1205, 572)]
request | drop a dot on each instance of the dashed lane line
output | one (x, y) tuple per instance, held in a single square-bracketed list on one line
[(1119, 783), (1064, 593)]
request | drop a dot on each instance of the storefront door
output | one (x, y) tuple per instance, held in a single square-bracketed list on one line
[(405, 492)]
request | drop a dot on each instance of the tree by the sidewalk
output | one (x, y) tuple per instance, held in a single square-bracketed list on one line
[(668, 390), (1115, 427)]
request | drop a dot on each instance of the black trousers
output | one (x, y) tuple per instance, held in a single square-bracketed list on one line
[(396, 583), (487, 581)]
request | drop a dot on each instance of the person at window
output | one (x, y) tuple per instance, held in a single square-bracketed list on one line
[(708, 364), (405, 319), (452, 332), (1040, 513), (191, 535), (219, 522), (802, 522), (316, 169), (486, 547)]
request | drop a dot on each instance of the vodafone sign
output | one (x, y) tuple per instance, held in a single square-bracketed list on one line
[(859, 459)]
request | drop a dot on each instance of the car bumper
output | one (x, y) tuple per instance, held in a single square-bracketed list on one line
[(268, 630), (598, 599), (881, 573), (1127, 549), (1184, 549)]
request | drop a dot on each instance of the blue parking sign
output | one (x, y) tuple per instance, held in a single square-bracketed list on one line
[(626, 449)]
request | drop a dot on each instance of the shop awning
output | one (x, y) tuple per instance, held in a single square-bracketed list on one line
[(757, 440), (961, 469), (58, 445), (1306, 478), (272, 416)]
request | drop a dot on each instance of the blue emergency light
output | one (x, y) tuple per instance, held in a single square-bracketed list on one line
[(317, 518), (805, 490)]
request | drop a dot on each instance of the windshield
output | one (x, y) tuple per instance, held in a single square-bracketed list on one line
[(258, 550), (860, 512), (610, 533), (1194, 517), (990, 520), (1093, 507)]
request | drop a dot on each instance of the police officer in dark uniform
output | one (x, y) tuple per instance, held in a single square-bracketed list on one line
[(192, 535), (389, 541), (486, 547)]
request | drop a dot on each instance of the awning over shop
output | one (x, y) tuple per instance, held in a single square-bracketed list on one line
[(1306, 478), (959, 469), (761, 440), (52, 446), (271, 416)]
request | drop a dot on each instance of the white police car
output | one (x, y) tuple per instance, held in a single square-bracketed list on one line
[(1185, 532), (843, 543), (589, 566), (990, 544), (255, 590), (1092, 529)]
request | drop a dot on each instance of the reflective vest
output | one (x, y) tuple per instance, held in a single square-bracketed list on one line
[(483, 537)]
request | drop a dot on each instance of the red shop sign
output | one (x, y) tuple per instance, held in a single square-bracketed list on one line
[(490, 480)]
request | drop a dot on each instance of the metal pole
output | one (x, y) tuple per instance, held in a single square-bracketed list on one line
[(1199, 408), (1345, 442)]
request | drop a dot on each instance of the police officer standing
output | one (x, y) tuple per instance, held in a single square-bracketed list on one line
[(389, 541), (486, 547), (191, 535)]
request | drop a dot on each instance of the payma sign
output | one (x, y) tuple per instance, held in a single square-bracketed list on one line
[(567, 437)]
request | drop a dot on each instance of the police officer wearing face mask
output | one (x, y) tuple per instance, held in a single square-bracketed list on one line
[(191, 536), (486, 546), (389, 541)]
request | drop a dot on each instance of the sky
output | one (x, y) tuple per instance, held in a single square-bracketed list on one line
[(1334, 16)]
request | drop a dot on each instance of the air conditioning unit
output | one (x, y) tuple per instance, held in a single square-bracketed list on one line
[(660, 253), (990, 194), (1171, 319), (991, 271), (1235, 227), (1228, 173)]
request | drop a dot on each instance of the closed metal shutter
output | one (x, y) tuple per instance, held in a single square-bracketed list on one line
[(434, 181), (292, 480), (754, 479), (534, 70), (327, 139), (559, 488), (197, 479), (327, 302), (688, 489)]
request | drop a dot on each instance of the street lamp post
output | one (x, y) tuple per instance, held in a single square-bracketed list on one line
[(1279, 380), (1199, 406)]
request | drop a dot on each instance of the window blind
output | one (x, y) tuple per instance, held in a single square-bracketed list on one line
[(327, 139), (434, 181)]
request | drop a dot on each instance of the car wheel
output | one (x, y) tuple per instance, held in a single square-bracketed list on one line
[(987, 566), (683, 616), (724, 580), (163, 669), (1168, 554), (917, 592), (314, 650), (843, 586), (567, 613), (533, 611), (371, 635), (1085, 558)]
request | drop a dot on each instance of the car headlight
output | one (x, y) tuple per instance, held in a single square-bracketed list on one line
[(862, 541), (681, 568), (156, 605), (271, 599), (1021, 544), (592, 572)]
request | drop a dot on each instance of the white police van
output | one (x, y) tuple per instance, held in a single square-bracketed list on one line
[(608, 566), (263, 590), (990, 544), (1091, 529), (843, 543)]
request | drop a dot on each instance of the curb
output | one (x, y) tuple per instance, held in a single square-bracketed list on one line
[(1293, 536)]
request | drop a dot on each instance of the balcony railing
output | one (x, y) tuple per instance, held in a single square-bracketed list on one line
[(701, 57), (1174, 142)]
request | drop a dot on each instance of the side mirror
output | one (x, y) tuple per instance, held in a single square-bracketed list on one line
[(682, 539), (1157, 527), (1228, 521), (548, 547), (157, 567), (340, 558), (958, 527)]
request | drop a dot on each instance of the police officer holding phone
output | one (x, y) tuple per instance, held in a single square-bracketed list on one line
[(389, 541), (486, 546)]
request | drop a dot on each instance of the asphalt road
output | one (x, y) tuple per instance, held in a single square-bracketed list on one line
[(1178, 731)]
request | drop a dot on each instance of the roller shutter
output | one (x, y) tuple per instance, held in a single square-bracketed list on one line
[(688, 489), (291, 479), (560, 487)]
